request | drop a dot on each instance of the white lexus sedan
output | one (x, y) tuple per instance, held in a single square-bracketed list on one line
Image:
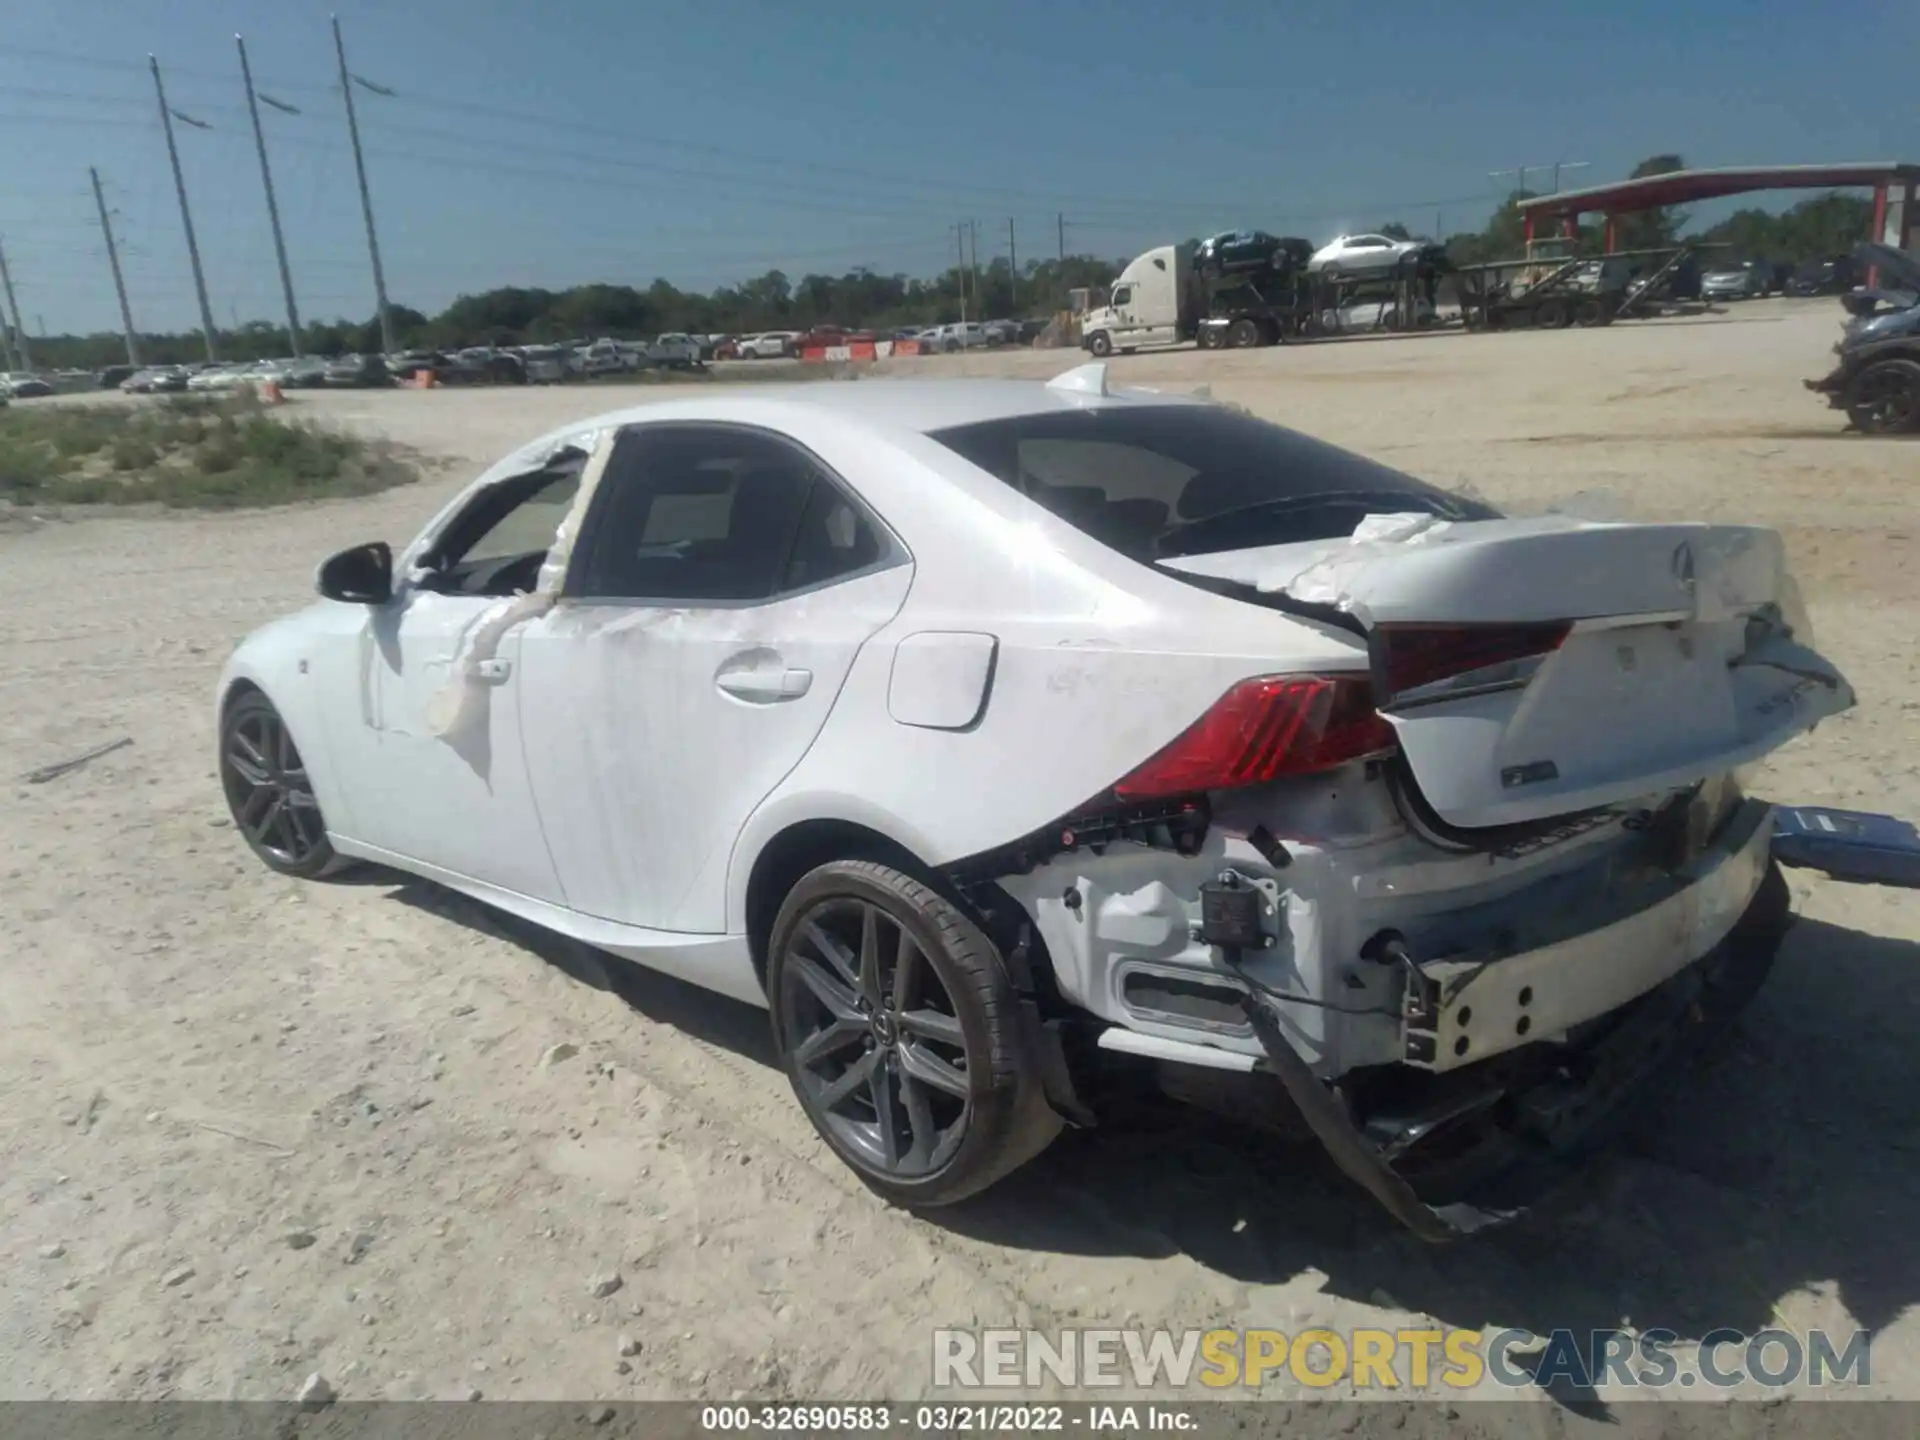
[(1012, 741)]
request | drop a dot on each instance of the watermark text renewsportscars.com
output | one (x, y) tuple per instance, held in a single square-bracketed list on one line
[(1237, 1361)]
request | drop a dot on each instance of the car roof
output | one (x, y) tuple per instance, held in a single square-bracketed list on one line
[(919, 406)]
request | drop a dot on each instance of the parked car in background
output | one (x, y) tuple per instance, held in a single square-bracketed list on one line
[(1747, 280), (727, 347), (210, 379), (676, 350), (1362, 254), (962, 335), (22, 385), (157, 379), (1830, 275), (114, 376), (308, 373), (545, 364), (1002, 332), (352, 372), (769, 345), (1877, 379)]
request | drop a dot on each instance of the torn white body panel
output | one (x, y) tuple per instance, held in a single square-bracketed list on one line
[(652, 734), (1679, 662)]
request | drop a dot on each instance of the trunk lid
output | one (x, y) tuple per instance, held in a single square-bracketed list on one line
[(1532, 668)]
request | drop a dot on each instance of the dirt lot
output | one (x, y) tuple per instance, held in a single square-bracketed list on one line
[(252, 1128)]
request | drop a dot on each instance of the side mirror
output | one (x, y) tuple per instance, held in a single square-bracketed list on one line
[(360, 576)]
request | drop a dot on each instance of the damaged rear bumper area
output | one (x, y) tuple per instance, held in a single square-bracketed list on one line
[(1456, 1152)]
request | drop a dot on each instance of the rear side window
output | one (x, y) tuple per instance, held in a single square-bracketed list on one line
[(1158, 481), (715, 513)]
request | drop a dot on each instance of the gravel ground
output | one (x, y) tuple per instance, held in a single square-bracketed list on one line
[(253, 1129)]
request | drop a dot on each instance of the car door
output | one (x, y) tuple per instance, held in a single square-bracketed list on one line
[(430, 751), (723, 583), (1126, 321)]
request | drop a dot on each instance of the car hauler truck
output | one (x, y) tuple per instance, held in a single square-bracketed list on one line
[(1245, 289)]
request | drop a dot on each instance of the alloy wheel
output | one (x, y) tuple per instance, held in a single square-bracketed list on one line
[(877, 1046), (268, 790)]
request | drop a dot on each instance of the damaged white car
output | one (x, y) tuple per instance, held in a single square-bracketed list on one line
[(1010, 739)]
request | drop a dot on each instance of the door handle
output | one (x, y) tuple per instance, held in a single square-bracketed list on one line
[(766, 686)]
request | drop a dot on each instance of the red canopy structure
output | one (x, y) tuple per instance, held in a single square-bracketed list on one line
[(1896, 208)]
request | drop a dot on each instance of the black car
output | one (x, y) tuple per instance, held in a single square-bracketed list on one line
[(358, 371), (1877, 381), (1834, 275), (112, 377)]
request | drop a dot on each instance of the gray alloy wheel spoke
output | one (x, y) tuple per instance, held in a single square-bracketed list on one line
[(932, 1025), (907, 966), (884, 1087), (252, 751), (919, 1119), (244, 765), (264, 827), (834, 953), (848, 1081), (840, 1035), (257, 805), (827, 989), (923, 1065), (870, 954), (288, 829), (303, 801)]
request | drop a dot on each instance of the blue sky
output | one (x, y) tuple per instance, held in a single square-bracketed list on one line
[(572, 140)]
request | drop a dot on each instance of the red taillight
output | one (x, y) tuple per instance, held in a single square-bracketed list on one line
[(1413, 656), (1262, 729)]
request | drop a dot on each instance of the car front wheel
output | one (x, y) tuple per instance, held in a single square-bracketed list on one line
[(1884, 398), (269, 792), (900, 1032)]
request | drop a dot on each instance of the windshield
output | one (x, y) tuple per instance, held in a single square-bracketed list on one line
[(1155, 482)]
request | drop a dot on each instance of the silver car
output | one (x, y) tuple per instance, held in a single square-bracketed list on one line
[(1749, 280)]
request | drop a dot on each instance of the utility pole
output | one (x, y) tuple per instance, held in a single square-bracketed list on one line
[(960, 270), (1560, 165), (1063, 236), (973, 265), (366, 197), (113, 259), (273, 207), (1013, 271), (13, 310), (186, 215)]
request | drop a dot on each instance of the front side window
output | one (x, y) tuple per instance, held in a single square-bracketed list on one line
[(715, 513), (497, 544), (1155, 482), (1123, 296)]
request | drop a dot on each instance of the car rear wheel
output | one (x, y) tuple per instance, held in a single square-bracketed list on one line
[(1884, 398), (900, 1032), (269, 792)]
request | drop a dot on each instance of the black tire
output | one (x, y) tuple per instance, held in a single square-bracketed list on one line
[(867, 959), (1244, 334), (1591, 313), (1552, 315), (1884, 398), (1207, 338), (1100, 345), (268, 792)]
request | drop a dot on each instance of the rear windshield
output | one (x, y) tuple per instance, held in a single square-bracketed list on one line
[(1154, 482)]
